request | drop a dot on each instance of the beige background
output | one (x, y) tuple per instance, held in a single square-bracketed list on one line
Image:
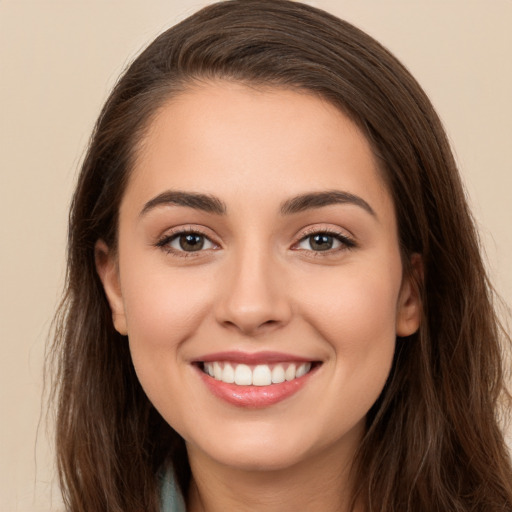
[(58, 60)]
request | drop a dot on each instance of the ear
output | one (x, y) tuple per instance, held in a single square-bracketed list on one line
[(108, 271), (409, 308)]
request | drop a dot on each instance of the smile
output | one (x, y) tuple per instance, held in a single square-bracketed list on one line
[(255, 380), (255, 375)]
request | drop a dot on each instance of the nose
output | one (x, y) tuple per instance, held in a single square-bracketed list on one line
[(254, 297)]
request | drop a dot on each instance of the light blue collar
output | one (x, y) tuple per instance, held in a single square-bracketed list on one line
[(171, 497)]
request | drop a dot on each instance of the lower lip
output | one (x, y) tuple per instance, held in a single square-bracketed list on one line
[(255, 396)]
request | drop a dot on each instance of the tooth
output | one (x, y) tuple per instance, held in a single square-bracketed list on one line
[(243, 375), (302, 370), (217, 371), (278, 375), (208, 368), (290, 372), (228, 374), (262, 376)]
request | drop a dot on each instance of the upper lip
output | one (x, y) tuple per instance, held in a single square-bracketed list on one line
[(254, 358)]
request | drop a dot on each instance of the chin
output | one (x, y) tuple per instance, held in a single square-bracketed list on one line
[(263, 448), (259, 459)]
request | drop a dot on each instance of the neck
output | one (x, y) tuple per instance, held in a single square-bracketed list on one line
[(323, 482)]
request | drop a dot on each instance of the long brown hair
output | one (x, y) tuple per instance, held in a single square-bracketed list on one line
[(433, 442)]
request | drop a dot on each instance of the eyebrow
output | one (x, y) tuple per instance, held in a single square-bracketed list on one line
[(212, 204), (204, 202), (320, 199)]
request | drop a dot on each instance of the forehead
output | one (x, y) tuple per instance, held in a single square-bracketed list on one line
[(232, 139)]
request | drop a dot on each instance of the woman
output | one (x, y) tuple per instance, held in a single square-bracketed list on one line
[(275, 295)]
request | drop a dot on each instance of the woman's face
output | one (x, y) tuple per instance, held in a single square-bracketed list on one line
[(257, 241)]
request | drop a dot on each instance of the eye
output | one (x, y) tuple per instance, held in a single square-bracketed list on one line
[(186, 242), (324, 241)]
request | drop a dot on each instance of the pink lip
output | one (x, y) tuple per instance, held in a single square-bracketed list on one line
[(254, 396), (252, 359)]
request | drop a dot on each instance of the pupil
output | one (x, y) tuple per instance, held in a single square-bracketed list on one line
[(191, 242), (321, 242)]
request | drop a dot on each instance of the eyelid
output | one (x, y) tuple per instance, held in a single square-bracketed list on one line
[(347, 241), (170, 235), (176, 238)]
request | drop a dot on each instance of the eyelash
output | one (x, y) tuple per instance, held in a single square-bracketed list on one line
[(164, 243), (346, 242)]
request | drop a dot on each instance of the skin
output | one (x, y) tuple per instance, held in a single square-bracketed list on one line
[(259, 285)]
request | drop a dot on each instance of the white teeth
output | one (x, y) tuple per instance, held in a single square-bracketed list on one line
[(228, 374), (278, 374), (262, 376), (302, 370), (259, 375), (208, 368), (290, 372), (217, 370), (243, 375)]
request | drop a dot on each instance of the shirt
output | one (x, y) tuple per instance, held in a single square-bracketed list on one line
[(171, 497)]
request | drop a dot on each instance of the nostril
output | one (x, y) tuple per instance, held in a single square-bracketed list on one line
[(251, 325)]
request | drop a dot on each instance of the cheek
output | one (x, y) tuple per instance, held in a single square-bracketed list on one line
[(353, 310), (355, 313), (163, 307), (359, 322)]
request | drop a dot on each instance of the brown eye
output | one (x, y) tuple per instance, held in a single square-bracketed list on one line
[(325, 241), (191, 242), (321, 242), (186, 242)]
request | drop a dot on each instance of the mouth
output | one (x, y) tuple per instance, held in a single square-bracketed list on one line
[(255, 380), (256, 375)]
